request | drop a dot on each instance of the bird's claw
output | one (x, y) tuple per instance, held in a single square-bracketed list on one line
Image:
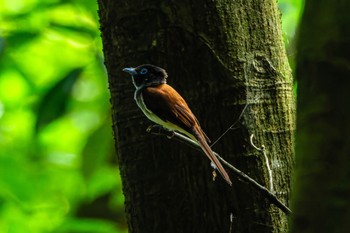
[(150, 128), (214, 175), (170, 135), (160, 130)]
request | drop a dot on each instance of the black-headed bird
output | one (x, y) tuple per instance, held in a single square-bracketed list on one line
[(163, 105)]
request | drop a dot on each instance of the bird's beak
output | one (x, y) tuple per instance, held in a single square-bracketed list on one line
[(131, 71)]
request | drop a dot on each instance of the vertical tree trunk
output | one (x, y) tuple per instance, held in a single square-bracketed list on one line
[(322, 184), (220, 55)]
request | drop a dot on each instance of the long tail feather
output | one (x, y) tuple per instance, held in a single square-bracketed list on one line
[(205, 147)]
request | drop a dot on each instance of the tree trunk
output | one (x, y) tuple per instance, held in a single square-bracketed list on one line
[(321, 197), (220, 55)]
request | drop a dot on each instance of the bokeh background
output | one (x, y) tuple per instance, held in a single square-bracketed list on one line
[(58, 168)]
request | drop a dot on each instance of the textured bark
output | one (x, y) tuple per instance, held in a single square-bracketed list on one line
[(321, 198), (219, 55)]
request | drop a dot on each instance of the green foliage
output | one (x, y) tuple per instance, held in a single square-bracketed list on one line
[(57, 161), (291, 13), (53, 104)]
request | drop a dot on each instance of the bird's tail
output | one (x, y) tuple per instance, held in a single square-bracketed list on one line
[(207, 150)]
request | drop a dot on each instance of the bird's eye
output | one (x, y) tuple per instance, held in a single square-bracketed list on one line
[(143, 71)]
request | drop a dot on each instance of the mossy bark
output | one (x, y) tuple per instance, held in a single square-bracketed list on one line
[(321, 196), (220, 55)]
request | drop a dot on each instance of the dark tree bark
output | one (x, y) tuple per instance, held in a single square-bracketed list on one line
[(321, 198), (220, 55)]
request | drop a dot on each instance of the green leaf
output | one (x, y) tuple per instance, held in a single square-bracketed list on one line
[(98, 149), (54, 103), (82, 30), (88, 226), (19, 38), (2, 46)]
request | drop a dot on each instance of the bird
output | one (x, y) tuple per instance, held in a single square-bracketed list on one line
[(163, 105)]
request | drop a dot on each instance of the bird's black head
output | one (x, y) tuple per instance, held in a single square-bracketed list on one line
[(147, 75)]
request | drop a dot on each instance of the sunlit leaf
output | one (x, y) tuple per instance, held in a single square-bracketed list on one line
[(13, 87), (54, 102)]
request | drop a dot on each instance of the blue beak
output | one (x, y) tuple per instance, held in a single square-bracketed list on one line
[(131, 71)]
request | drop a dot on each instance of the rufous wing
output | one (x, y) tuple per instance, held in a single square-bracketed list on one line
[(168, 105)]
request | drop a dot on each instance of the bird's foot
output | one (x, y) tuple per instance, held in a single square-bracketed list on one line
[(170, 134), (160, 130), (151, 128), (214, 175)]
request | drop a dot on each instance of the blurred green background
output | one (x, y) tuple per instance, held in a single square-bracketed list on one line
[(58, 170)]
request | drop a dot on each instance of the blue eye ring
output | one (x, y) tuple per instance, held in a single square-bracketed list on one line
[(143, 71)]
